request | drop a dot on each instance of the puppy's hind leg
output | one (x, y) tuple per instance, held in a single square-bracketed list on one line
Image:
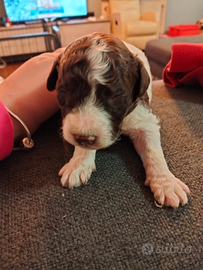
[(167, 189), (79, 169)]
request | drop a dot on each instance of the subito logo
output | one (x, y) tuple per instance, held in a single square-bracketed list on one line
[(147, 249)]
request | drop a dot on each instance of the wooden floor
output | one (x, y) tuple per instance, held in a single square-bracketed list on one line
[(8, 69)]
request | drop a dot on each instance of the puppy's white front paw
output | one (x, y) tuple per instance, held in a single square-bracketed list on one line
[(169, 191), (79, 169)]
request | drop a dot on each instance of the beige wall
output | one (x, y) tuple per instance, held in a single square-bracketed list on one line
[(94, 6), (183, 12)]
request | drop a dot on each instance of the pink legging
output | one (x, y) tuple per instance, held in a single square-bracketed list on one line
[(6, 132)]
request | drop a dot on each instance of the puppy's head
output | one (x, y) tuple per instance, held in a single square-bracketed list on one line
[(98, 82)]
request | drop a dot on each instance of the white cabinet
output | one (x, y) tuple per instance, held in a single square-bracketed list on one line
[(73, 29)]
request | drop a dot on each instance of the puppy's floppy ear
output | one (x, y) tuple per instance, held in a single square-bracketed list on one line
[(142, 81), (53, 75)]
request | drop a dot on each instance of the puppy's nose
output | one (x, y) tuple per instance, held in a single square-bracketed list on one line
[(84, 140)]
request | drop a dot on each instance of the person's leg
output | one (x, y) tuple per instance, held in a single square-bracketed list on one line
[(24, 92)]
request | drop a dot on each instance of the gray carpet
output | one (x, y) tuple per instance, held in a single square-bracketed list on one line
[(112, 223)]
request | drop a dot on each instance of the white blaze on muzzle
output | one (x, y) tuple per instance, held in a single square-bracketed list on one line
[(88, 126)]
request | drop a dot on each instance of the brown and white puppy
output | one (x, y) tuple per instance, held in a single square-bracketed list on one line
[(104, 89)]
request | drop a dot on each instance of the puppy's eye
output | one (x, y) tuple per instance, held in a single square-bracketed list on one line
[(115, 96)]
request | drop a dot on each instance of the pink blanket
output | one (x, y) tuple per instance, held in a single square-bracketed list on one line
[(185, 66)]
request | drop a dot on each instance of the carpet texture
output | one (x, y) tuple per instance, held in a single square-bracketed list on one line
[(111, 223)]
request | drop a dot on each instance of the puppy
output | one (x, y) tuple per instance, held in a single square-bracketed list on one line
[(104, 89)]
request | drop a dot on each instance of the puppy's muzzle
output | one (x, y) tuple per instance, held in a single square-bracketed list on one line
[(85, 140)]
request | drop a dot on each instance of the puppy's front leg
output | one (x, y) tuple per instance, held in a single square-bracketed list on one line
[(78, 170), (167, 189)]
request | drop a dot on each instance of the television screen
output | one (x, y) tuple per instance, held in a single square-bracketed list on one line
[(24, 10)]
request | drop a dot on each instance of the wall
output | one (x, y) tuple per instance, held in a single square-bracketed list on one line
[(94, 6), (183, 12)]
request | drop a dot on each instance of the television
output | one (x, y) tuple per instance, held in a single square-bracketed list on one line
[(25, 10)]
